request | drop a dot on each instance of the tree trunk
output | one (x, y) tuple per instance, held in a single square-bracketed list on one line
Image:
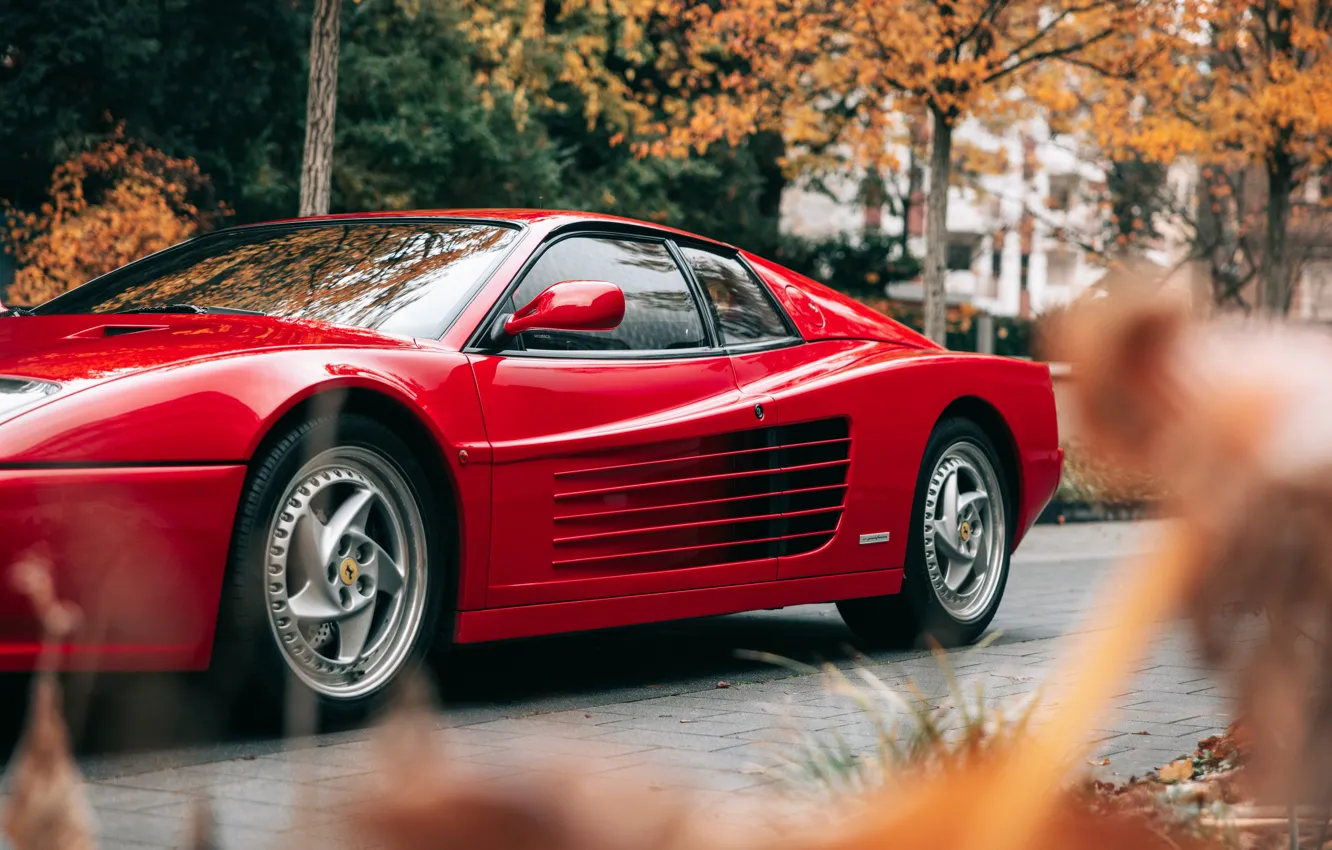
[(321, 108), (936, 228), (1276, 270)]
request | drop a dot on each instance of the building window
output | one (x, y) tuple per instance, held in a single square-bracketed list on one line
[(961, 253), (1060, 268), (1063, 188)]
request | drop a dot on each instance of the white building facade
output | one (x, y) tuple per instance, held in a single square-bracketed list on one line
[(1015, 237)]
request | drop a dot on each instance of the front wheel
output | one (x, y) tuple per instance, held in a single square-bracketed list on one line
[(330, 582), (957, 547)]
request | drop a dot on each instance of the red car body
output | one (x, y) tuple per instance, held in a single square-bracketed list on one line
[(127, 481)]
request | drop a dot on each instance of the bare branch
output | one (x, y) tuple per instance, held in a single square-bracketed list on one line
[(1055, 53)]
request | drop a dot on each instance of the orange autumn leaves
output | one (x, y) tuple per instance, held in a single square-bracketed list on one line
[(109, 205), (1157, 78), (676, 76), (1240, 79), (842, 72)]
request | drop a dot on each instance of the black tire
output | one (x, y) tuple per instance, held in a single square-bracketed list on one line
[(249, 667), (916, 616)]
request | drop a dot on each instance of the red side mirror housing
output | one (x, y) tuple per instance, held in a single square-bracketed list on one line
[(571, 305)]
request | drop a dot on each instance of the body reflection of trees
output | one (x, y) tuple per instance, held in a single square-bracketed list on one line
[(353, 274)]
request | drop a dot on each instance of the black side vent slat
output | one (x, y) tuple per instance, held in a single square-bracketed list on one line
[(810, 432), (822, 441), (729, 498)]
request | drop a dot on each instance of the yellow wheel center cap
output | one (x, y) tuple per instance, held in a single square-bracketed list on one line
[(965, 532), (348, 571)]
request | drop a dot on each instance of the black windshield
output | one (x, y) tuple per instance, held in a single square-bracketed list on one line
[(406, 278)]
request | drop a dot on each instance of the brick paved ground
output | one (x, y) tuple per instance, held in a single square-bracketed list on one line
[(681, 731)]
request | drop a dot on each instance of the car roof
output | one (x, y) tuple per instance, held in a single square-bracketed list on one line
[(550, 219)]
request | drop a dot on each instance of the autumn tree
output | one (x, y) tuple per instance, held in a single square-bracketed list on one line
[(832, 76), (108, 206), (1247, 86), (837, 72)]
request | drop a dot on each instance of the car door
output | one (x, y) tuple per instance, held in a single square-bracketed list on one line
[(625, 461), (824, 505)]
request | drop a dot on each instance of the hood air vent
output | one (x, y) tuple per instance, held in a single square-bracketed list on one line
[(103, 331)]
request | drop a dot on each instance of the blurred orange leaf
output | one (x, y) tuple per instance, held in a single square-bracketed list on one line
[(1179, 770)]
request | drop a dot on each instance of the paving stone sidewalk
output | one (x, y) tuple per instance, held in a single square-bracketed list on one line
[(718, 743)]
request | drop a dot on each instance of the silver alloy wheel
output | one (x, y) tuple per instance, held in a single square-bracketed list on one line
[(964, 531), (346, 574)]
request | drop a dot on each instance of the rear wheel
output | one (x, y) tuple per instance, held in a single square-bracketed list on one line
[(957, 547), (331, 583)]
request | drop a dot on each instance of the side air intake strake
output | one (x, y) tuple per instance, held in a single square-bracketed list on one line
[(734, 497)]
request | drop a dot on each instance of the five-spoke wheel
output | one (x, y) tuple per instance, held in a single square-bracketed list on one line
[(346, 572), (964, 555), (957, 547), (336, 568)]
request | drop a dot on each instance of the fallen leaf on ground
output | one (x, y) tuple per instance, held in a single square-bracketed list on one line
[(1178, 770), (1100, 763)]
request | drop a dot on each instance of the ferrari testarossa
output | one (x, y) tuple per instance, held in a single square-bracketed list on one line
[(325, 448)]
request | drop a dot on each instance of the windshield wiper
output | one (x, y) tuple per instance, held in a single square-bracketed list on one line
[(17, 311), (195, 309)]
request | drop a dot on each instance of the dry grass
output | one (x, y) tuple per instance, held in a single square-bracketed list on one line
[(1088, 477), (914, 734)]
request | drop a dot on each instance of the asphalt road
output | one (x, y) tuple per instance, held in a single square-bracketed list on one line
[(139, 717)]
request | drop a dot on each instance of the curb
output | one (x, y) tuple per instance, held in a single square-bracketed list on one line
[(1060, 512)]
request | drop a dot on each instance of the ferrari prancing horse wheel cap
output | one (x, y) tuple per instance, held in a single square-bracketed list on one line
[(348, 571)]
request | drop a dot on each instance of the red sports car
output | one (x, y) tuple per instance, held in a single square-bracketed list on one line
[(326, 447)]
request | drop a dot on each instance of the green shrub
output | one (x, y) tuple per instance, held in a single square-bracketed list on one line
[(857, 264)]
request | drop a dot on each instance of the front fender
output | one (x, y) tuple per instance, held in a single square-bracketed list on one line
[(218, 410)]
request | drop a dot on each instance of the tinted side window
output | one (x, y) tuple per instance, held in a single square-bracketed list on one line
[(659, 311), (744, 311)]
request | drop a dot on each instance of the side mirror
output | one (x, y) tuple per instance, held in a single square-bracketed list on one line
[(571, 305)]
